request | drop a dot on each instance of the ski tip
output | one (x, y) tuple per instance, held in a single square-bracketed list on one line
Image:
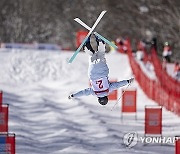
[(76, 18), (69, 62)]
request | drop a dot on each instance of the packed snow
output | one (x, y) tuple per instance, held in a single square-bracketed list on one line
[(36, 84)]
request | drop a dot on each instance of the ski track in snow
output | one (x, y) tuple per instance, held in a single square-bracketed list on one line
[(36, 85)]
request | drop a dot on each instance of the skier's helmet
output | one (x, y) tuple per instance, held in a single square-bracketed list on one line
[(103, 100)]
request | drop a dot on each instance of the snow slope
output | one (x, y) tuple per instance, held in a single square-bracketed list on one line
[(36, 85)]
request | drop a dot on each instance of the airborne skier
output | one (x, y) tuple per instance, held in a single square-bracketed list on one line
[(98, 74)]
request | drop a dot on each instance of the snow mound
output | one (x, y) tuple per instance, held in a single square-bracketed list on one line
[(36, 85)]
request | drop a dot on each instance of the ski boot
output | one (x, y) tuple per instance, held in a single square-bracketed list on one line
[(98, 40), (87, 47)]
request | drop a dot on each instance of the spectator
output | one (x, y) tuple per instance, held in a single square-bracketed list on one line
[(140, 54), (141, 45), (112, 49), (177, 71), (121, 43), (154, 43), (149, 66), (167, 52)]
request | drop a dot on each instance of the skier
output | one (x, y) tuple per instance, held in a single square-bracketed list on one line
[(98, 74), (167, 52)]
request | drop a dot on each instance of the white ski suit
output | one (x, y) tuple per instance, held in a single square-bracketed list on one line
[(98, 74)]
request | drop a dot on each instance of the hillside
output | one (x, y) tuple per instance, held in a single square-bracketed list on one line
[(52, 21)]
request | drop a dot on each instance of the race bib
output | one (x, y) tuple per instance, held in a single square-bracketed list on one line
[(100, 84)]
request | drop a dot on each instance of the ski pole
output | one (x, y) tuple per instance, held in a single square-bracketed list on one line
[(120, 96)]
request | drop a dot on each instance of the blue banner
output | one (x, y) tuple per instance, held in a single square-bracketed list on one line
[(2, 144)]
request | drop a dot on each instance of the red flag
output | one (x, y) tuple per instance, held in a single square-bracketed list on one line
[(178, 146), (129, 101), (153, 120), (113, 95), (4, 119), (7, 143), (80, 35)]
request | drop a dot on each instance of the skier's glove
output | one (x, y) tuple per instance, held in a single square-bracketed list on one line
[(70, 96), (130, 80)]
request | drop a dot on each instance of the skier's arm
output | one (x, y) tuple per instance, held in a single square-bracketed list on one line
[(116, 85), (84, 92)]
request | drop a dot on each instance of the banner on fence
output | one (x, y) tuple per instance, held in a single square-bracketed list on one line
[(4, 119), (80, 35), (153, 120), (129, 101), (1, 98), (114, 94), (7, 143), (34, 46), (177, 147)]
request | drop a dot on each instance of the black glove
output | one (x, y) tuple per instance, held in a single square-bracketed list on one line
[(130, 80), (70, 96)]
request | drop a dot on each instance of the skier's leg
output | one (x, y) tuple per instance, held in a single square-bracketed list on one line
[(88, 48), (101, 48), (98, 69)]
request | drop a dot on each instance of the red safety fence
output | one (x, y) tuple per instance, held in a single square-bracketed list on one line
[(171, 85), (152, 88)]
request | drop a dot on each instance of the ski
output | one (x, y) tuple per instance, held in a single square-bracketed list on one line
[(97, 34), (91, 30)]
